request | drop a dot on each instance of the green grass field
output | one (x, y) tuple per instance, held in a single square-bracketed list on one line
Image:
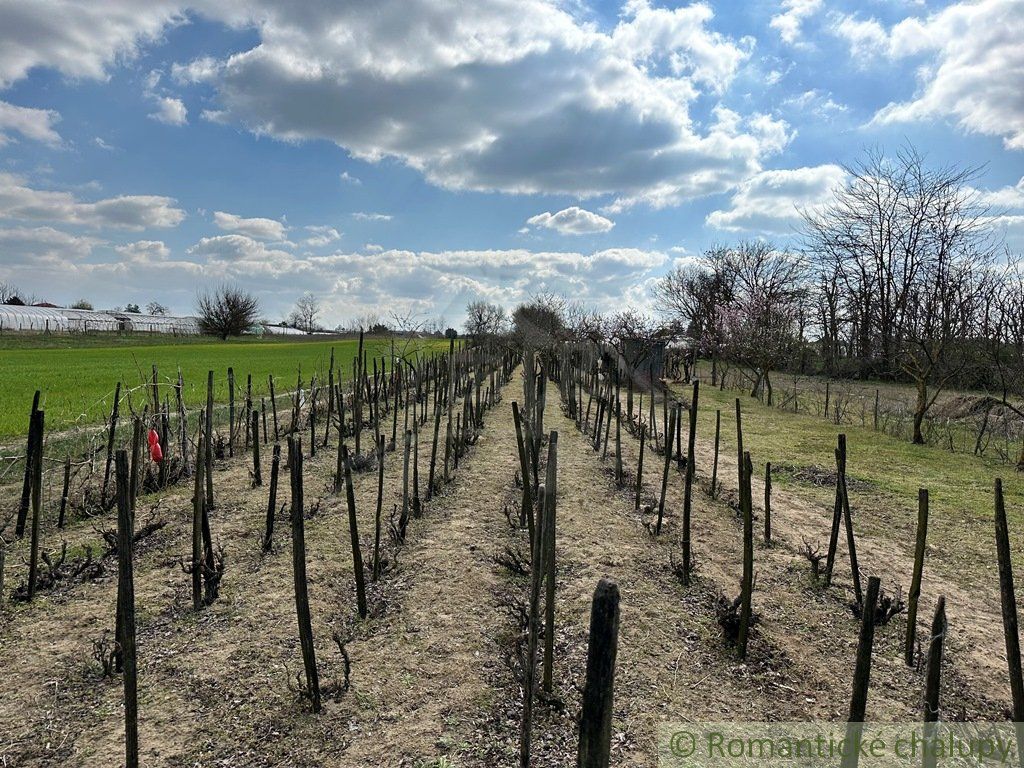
[(77, 375), (961, 486)]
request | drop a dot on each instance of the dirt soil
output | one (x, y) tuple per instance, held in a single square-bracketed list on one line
[(431, 684)]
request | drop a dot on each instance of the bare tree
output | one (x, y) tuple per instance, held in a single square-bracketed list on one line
[(227, 311), (306, 312), (9, 291), (484, 321), (692, 297), (156, 308), (762, 320), (540, 322), (903, 254)]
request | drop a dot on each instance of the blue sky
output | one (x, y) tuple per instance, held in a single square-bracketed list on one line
[(411, 155)]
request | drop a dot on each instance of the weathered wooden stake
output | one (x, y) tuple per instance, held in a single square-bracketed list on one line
[(257, 472), (640, 468), (64, 492), (598, 690), (664, 474), (198, 501), (714, 470), (1010, 632), (37, 499), (110, 442), (933, 679), (126, 612), (861, 675), (747, 584), (915, 582), (299, 571), (551, 483), (768, 502), (353, 531), (275, 467), (691, 468)]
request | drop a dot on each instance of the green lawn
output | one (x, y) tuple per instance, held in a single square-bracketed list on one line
[(960, 486), (77, 375)]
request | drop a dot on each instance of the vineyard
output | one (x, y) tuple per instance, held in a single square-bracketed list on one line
[(483, 556)]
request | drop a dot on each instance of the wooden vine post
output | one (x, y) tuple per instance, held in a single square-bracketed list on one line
[(36, 485), (598, 691), (299, 572), (768, 502), (275, 469), (640, 468), (691, 468), (933, 678), (664, 474), (126, 612), (551, 483), (861, 675), (915, 582), (198, 502), (747, 583), (353, 531), (257, 473), (714, 470), (1011, 633)]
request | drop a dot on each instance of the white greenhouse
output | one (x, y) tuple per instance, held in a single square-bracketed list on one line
[(29, 319)]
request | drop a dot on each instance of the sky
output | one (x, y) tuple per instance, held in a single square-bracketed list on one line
[(409, 156)]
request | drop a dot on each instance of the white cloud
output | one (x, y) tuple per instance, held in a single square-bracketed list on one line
[(974, 65), (321, 236), (261, 229), (244, 252), (170, 111), (30, 123), (792, 15), (43, 246), (770, 202), (19, 201), (519, 97), (79, 39), (348, 178), (572, 221), (817, 103), (103, 145), (144, 251), (362, 216)]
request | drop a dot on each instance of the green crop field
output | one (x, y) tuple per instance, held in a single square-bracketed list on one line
[(77, 375)]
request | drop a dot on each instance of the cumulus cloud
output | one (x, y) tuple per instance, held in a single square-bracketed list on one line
[(572, 221), (29, 123), (35, 246), (243, 251), (519, 97), (261, 229), (975, 62), (789, 20), (170, 111), (321, 236), (144, 251), (80, 40), (19, 201), (770, 202), (348, 178)]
